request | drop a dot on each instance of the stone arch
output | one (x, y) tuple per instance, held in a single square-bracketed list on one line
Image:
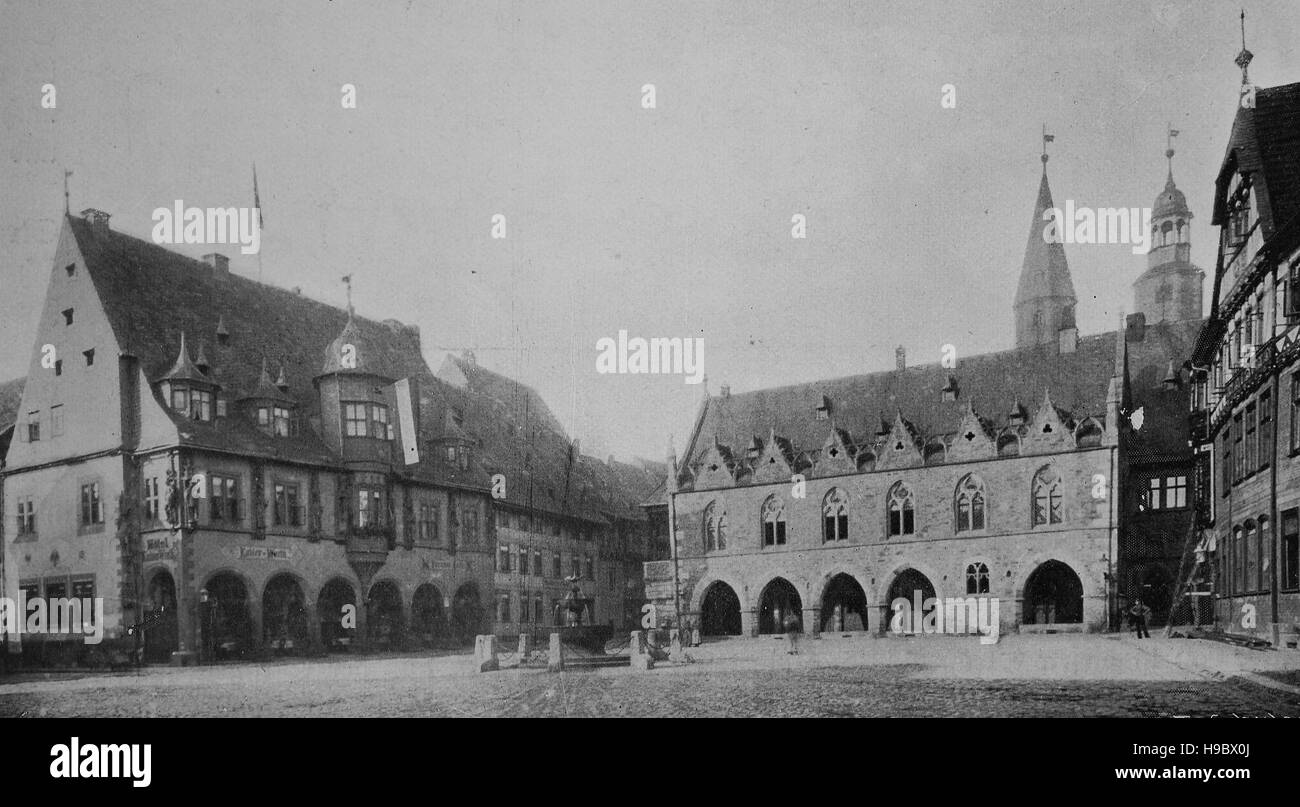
[(844, 603), (161, 633), (337, 620), (229, 617), (284, 613), (428, 619), (720, 610), (1052, 592), (776, 599), (866, 460), (888, 579), (385, 613), (698, 593)]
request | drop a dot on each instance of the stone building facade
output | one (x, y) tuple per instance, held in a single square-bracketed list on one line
[(1022, 475), (237, 469)]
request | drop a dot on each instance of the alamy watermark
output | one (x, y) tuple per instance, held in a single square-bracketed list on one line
[(656, 355), (968, 615), (1105, 225), (215, 225), (67, 616)]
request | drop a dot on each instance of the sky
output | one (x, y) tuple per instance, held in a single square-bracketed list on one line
[(666, 222)]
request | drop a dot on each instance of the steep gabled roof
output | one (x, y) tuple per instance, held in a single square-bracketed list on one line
[(11, 397), (1078, 383), (1266, 140)]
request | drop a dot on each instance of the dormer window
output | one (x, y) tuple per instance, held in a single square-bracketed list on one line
[(463, 459), (280, 420), (193, 403)]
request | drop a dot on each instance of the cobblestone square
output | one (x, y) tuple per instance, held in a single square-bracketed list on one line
[(857, 676)]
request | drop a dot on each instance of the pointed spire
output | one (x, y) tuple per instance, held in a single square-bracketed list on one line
[(1243, 59), (1045, 296), (184, 369)]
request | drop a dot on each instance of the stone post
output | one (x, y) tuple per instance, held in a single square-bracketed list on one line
[(639, 653), (485, 653), (523, 647), (555, 662)]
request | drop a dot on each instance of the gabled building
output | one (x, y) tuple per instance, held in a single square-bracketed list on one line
[(235, 468), (1026, 475), (1246, 410)]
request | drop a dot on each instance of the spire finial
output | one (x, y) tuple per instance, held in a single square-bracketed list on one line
[(1243, 58), (347, 281), (67, 203), (1170, 134), (1047, 138)]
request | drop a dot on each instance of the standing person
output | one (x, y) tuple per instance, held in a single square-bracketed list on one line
[(791, 633), (1140, 612)]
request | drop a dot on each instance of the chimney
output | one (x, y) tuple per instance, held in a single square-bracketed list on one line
[(97, 219), (220, 264), (900, 358), (1068, 340)]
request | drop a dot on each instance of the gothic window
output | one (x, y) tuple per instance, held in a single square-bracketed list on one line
[(773, 517), (710, 527), (977, 579), (835, 516), (902, 512), (970, 503), (722, 530), (1047, 497)]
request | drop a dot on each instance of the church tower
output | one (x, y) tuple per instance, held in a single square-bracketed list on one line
[(1170, 289), (1045, 297)]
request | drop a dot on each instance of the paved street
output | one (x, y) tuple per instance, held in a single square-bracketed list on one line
[(1042, 676)]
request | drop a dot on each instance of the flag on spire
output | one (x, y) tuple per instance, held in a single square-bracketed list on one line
[(257, 200)]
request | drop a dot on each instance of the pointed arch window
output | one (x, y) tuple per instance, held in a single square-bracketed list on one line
[(715, 527), (835, 516), (773, 517), (970, 503), (1047, 497), (977, 579), (902, 510)]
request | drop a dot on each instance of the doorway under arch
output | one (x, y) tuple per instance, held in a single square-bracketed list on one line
[(284, 616), (161, 635), (906, 586), (427, 618), (720, 611), (1053, 596), (228, 620), (336, 609), (384, 614), (844, 605), (779, 598)]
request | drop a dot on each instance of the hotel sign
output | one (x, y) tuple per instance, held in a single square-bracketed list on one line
[(258, 553)]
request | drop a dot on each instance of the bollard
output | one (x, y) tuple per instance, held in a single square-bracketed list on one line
[(485, 653), (639, 652), (524, 647), (675, 651), (556, 661)]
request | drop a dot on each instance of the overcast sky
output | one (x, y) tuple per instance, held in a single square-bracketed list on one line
[(673, 221)]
